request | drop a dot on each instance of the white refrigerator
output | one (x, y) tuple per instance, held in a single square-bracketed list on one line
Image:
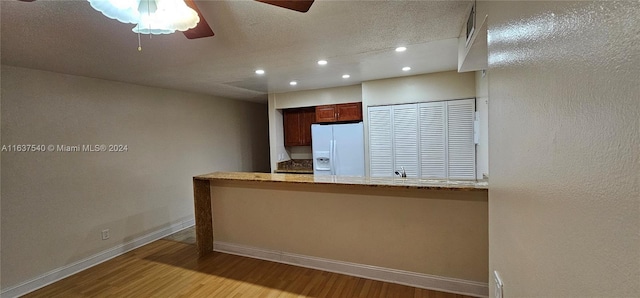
[(338, 149)]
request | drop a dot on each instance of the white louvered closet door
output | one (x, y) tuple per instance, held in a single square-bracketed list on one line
[(460, 145), (433, 142), (380, 142), (405, 138)]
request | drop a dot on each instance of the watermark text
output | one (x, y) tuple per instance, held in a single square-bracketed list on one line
[(65, 148)]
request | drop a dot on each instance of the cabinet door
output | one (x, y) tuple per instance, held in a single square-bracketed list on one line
[(405, 138), (460, 146), (380, 142), (292, 132), (308, 117), (326, 113), (349, 111), (297, 126), (433, 142)]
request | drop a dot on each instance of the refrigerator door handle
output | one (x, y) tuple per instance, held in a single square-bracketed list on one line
[(333, 156)]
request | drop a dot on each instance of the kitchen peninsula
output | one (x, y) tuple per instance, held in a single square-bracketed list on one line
[(422, 232)]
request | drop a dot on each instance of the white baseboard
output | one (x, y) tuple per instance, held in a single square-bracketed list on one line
[(73, 268), (419, 280)]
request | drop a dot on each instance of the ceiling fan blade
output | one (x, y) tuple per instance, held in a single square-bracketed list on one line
[(297, 5), (202, 29)]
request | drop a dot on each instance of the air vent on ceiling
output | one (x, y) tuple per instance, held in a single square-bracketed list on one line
[(471, 22)]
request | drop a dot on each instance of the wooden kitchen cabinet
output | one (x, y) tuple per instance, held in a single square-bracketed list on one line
[(339, 112), (326, 113), (297, 126)]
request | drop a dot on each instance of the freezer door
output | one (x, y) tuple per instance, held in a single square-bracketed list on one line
[(321, 146), (348, 151)]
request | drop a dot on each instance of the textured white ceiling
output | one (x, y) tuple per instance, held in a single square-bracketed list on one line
[(356, 37)]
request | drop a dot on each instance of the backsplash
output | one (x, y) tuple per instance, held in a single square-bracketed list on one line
[(296, 164)]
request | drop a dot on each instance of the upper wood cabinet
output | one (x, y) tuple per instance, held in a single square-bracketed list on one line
[(339, 112), (297, 126), (326, 113)]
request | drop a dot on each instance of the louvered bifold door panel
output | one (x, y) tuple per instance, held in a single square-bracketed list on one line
[(380, 142), (433, 140), (461, 148), (405, 138)]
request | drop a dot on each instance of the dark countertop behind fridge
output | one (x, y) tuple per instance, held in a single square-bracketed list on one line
[(295, 166)]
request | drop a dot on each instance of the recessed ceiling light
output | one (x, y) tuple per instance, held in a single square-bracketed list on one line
[(293, 83), (406, 68), (260, 71), (401, 49), (322, 62), (345, 76)]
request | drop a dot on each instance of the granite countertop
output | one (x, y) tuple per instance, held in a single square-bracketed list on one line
[(416, 183)]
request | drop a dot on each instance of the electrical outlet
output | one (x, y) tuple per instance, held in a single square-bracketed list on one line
[(105, 234)]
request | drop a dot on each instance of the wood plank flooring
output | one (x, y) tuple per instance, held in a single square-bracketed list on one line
[(167, 268)]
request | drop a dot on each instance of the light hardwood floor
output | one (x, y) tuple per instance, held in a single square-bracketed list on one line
[(167, 268)]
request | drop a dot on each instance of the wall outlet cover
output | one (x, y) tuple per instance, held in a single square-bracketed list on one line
[(105, 234)]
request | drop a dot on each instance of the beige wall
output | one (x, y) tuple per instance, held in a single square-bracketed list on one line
[(482, 109), (318, 97), (564, 200), (441, 233), (0, 183), (419, 88), (55, 204), (277, 151)]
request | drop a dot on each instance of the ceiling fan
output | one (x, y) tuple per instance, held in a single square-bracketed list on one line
[(202, 29)]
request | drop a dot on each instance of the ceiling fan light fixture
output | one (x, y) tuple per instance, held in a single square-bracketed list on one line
[(150, 16)]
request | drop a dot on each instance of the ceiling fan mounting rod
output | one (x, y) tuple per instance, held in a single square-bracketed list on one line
[(150, 7)]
